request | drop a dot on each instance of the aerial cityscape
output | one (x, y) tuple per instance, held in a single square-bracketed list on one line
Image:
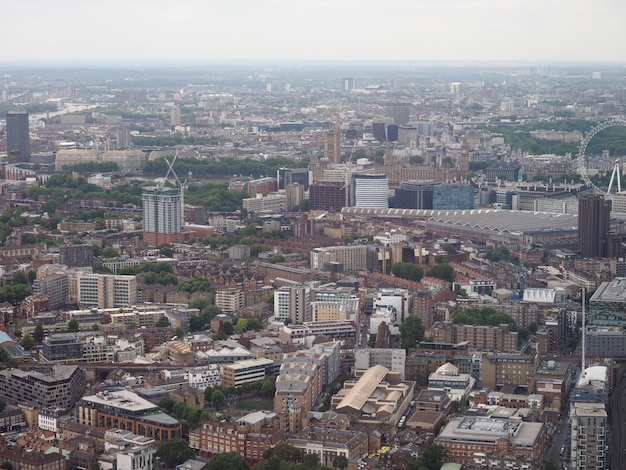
[(409, 266), (313, 235)]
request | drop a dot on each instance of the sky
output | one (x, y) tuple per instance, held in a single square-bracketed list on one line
[(313, 30)]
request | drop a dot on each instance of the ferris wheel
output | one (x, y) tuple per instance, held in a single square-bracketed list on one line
[(583, 160)]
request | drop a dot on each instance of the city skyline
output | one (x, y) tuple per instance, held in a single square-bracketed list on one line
[(273, 30)]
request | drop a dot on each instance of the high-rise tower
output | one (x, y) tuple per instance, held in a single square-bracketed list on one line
[(18, 138), (465, 160), (332, 143), (593, 226), (162, 218)]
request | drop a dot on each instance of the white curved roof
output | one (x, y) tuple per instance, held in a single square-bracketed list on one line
[(594, 375)]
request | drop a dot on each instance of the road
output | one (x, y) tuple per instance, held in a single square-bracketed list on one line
[(617, 437), (559, 440)]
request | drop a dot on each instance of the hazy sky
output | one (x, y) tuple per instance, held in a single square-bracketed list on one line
[(475, 30)]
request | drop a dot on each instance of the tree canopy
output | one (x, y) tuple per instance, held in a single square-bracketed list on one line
[(431, 459), (174, 452), (410, 271), (411, 331), (484, 316), (228, 460), (442, 271)]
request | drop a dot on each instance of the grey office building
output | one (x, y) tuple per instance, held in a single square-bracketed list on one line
[(18, 137)]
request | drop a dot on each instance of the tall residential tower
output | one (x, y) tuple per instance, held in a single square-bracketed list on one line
[(18, 137), (162, 218)]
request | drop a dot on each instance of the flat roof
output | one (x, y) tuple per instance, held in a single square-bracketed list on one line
[(481, 429), (122, 399)]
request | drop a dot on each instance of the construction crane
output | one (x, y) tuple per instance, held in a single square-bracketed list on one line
[(183, 185)]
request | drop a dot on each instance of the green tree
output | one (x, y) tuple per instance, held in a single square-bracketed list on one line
[(411, 331), (410, 271), (174, 452), (27, 342), (228, 460), (179, 333), (110, 252), (340, 462), (73, 326), (38, 333), (6, 465), (311, 460), (166, 250), (162, 322), (199, 303), (195, 284), (227, 328), (242, 325), (284, 452), (167, 404), (442, 271), (277, 258), (217, 398), (431, 459), (268, 388), (19, 278), (255, 324)]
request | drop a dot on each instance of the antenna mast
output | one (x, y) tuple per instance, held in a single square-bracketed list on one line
[(584, 333)]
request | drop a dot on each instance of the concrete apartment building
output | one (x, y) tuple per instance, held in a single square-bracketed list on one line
[(229, 300), (478, 337), (61, 388), (293, 303), (55, 288), (325, 355), (589, 436), (247, 371), (298, 381), (351, 258), (269, 203), (104, 290), (392, 359)]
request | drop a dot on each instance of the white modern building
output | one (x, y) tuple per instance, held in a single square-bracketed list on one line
[(293, 303), (447, 378), (370, 191), (396, 298)]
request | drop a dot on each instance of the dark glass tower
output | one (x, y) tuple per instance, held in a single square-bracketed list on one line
[(18, 138), (593, 226)]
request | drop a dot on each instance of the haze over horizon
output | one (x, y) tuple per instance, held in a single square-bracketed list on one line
[(313, 30)]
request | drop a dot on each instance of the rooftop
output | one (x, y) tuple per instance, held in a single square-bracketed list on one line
[(488, 430), (614, 291), (122, 399)]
